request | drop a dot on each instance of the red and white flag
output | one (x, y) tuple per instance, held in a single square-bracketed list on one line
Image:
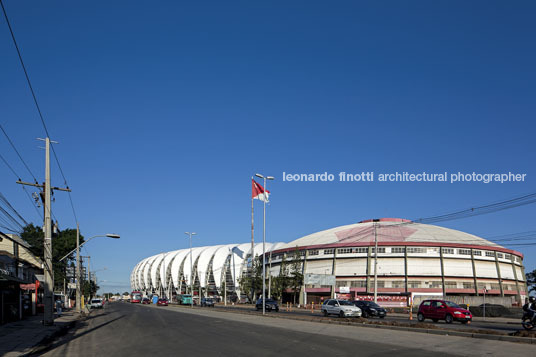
[(258, 192)]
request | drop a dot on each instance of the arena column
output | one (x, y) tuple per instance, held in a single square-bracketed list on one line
[(499, 273), (334, 272), (518, 297), (369, 252), (474, 272), (406, 269), (303, 295), (442, 272)]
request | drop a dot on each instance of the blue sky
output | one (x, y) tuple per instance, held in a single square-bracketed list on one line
[(164, 111)]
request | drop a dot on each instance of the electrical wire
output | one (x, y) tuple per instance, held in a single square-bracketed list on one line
[(37, 104), (9, 166), (18, 154)]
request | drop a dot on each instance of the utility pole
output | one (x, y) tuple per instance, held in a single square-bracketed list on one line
[(77, 274), (251, 273), (190, 234), (48, 285), (375, 261)]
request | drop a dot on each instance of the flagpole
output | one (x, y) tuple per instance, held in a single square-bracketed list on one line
[(252, 251)]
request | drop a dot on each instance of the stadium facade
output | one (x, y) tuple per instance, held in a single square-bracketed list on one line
[(412, 258)]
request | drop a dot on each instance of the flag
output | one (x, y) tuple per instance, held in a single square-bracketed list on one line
[(258, 193)]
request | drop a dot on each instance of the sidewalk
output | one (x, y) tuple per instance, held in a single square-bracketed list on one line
[(18, 338)]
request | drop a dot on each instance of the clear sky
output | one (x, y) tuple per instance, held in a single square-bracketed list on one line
[(165, 109)]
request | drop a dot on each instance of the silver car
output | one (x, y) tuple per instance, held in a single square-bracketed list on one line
[(96, 304), (341, 308)]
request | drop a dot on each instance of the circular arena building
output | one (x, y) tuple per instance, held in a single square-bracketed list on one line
[(413, 259)]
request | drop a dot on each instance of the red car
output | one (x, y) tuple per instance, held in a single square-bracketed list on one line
[(443, 310), (145, 301), (162, 302)]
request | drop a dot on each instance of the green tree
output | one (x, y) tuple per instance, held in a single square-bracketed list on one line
[(531, 280), (296, 276), (89, 288), (253, 282), (62, 243), (281, 282)]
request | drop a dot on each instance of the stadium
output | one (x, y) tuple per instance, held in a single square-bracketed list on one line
[(412, 259)]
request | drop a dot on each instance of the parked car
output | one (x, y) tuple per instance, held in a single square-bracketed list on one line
[(443, 310), (145, 301), (207, 302), (162, 302), (270, 305), (96, 304), (341, 308), (370, 309)]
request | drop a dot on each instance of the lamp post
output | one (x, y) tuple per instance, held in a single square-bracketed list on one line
[(190, 234), (264, 242), (77, 273)]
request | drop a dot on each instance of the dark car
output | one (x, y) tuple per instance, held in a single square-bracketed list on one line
[(145, 301), (162, 302), (207, 302), (270, 305), (370, 309), (443, 310)]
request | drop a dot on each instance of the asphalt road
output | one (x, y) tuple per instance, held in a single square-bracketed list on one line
[(124, 329), (474, 325)]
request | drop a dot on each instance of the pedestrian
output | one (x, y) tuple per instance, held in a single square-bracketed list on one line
[(58, 307)]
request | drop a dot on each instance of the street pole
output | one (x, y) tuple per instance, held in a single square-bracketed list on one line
[(49, 278), (252, 254), (191, 269), (264, 252), (375, 263), (77, 274)]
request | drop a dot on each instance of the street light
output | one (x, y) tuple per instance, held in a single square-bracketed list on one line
[(77, 275), (264, 243), (191, 267)]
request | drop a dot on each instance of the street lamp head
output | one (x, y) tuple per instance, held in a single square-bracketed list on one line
[(270, 177), (259, 175), (114, 236)]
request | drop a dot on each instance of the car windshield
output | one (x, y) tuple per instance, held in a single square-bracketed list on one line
[(451, 304), (344, 302), (372, 304), (95, 301)]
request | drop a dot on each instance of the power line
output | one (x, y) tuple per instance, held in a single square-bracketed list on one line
[(6, 202), (18, 154), (9, 166), (36, 103)]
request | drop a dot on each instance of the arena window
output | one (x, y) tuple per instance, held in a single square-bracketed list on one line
[(489, 254), (508, 256), (416, 250), (361, 250), (447, 250), (451, 285), (380, 250), (495, 287), (468, 286), (398, 250), (328, 251), (359, 284), (414, 284), (500, 255), (397, 284), (435, 285), (314, 252), (464, 251), (381, 284), (344, 250), (477, 252)]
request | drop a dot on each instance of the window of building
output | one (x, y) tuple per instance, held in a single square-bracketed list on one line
[(435, 284), (451, 285), (518, 259), (477, 252), (508, 256), (398, 250), (314, 252), (447, 250), (361, 250), (482, 286), (381, 284), (328, 251), (490, 254), (468, 285), (359, 284), (397, 283), (414, 284), (340, 283), (495, 287), (464, 251), (500, 255), (344, 250), (416, 250), (380, 250)]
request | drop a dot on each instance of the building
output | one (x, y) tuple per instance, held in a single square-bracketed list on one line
[(412, 258), (214, 269), (19, 273)]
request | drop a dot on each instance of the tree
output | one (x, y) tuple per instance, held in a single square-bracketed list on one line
[(531, 281), (281, 282), (89, 288), (62, 243), (253, 282), (296, 276)]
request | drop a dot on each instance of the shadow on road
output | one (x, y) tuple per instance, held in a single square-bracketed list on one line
[(72, 337)]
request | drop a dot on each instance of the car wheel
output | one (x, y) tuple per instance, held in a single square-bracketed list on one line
[(365, 314), (435, 320), (325, 313), (341, 314), (381, 317), (420, 317), (448, 319)]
